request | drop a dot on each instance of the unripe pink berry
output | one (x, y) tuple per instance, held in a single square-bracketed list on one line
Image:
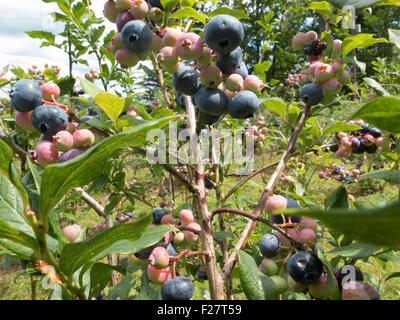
[(190, 236), (309, 223), (311, 36), (179, 237), (253, 83), (205, 57), (159, 258), (110, 11), (168, 56), (275, 203), (320, 288), (139, 9), (313, 67), (299, 40), (123, 4), (357, 290), (338, 67), (168, 219), (83, 139), (234, 82), (157, 276), (46, 153), (63, 141), (126, 58), (156, 14), (293, 233), (171, 36), (337, 47), (156, 44), (307, 236), (211, 76), (322, 175), (346, 142), (123, 18), (71, 128), (23, 120), (72, 233), (323, 73), (50, 90), (186, 216), (189, 46), (342, 152)]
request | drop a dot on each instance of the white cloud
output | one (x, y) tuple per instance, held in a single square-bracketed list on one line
[(17, 48)]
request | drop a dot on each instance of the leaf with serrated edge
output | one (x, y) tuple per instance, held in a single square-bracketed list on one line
[(58, 179)]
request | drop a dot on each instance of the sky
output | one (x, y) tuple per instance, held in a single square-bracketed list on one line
[(17, 48)]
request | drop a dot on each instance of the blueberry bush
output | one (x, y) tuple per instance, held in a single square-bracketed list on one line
[(87, 207)]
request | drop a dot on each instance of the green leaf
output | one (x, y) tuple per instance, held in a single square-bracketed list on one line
[(371, 201), (322, 7), (357, 4), (239, 14), (383, 112), (57, 179), (188, 12), (168, 5), (362, 40), (91, 89), (8, 169), (66, 84), (376, 85), (338, 199), (394, 36), (356, 250), (372, 226), (100, 275), (111, 104), (41, 35), (389, 176), (276, 105), (393, 275), (341, 127), (253, 281), (148, 290), (126, 238)]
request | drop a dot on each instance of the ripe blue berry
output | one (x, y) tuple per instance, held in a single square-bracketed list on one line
[(171, 250), (26, 95), (229, 62), (49, 119), (243, 105), (136, 36), (351, 273), (242, 70), (311, 94), (211, 101), (180, 288), (158, 214), (223, 33), (304, 267), (186, 80), (209, 119), (269, 245)]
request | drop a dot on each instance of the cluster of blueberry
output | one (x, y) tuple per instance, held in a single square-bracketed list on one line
[(225, 87), (304, 268), (328, 75), (36, 110), (365, 140), (341, 174), (259, 131), (217, 89), (159, 255)]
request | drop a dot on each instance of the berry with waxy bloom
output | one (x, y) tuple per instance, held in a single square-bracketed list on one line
[(159, 258)]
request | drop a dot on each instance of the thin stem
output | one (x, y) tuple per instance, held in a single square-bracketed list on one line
[(228, 267)]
